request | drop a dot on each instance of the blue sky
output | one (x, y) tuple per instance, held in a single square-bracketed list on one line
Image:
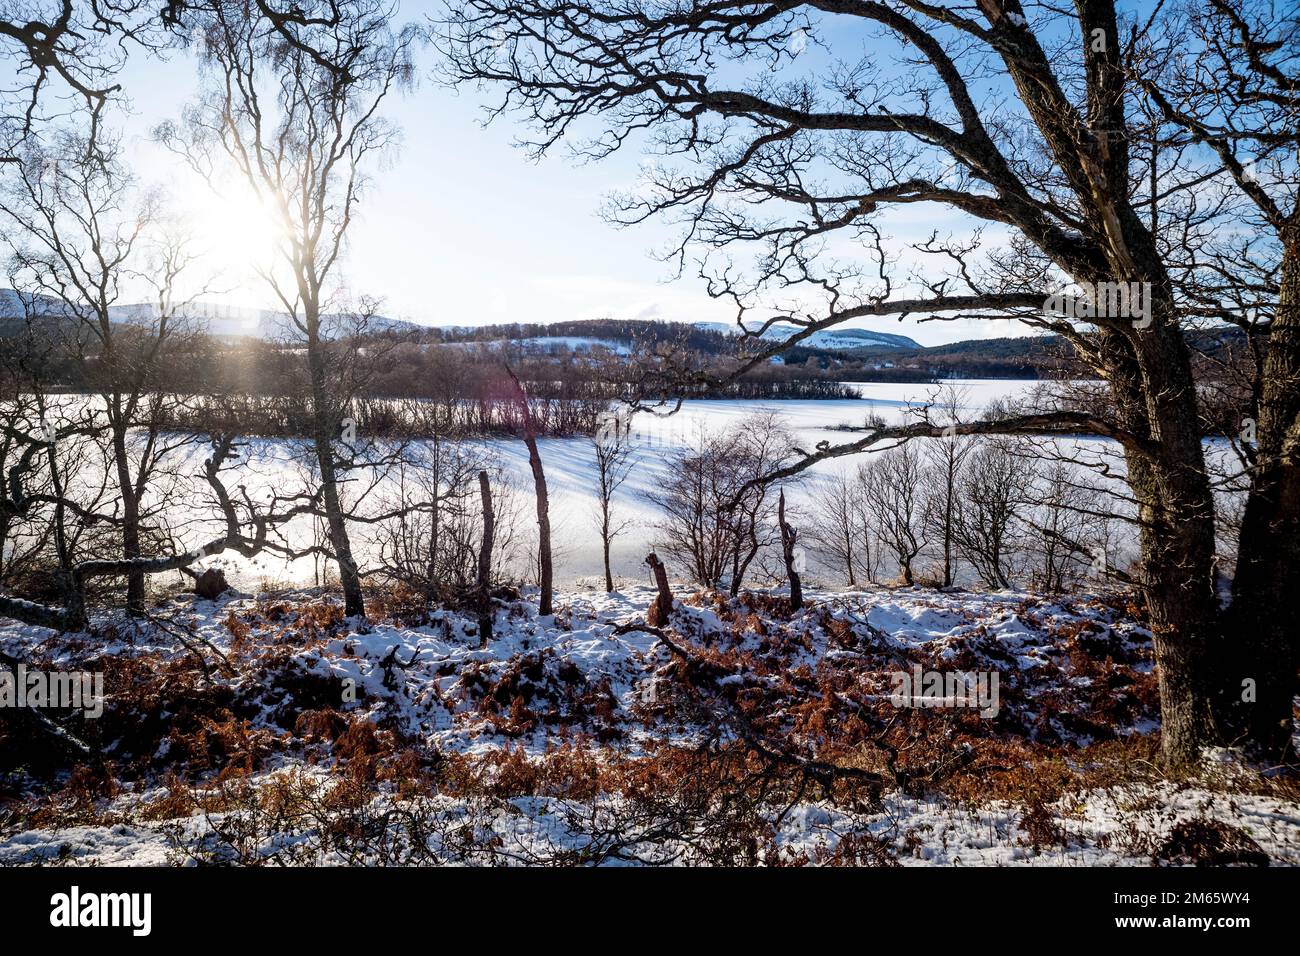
[(460, 227)]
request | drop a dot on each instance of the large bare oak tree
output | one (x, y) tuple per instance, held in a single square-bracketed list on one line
[(794, 131)]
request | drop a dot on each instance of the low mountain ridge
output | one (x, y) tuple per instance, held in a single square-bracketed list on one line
[(837, 339)]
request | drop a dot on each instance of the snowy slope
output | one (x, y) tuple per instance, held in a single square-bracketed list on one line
[(550, 344), (835, 338)]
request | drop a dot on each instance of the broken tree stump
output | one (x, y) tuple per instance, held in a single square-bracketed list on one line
[(211, 584), (789, 537), (662, 605)]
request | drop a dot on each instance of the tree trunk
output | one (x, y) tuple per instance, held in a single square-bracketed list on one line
[(543, 501), (662, 605), (326, 431), (609, 575), (485, 562), (788, 538), (948, 514), (130, 521), (543, 525), (1155, 396), (354, 604), (1265, 616)]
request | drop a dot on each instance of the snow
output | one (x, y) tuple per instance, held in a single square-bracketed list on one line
[(933, 832), (430, 681), (268, 465), (550, 343), (835, 339)]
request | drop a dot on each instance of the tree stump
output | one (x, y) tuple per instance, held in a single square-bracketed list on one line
[(789, 537), (211, 584), (662, 606)]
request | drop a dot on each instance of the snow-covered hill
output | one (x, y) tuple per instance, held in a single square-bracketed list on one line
[(225, 319), (838, 338), (551, 344)]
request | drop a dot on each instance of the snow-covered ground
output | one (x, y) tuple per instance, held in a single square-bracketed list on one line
[(316, 714)]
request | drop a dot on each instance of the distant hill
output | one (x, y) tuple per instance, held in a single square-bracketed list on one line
[(845, 339), (849, 354), (215, 318)]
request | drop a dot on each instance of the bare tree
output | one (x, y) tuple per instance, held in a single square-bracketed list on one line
[(946, 460), (430, 537), (760, 443), (994, 486), (839, 527), (247, 528), (612, 448), (303, 150), (545, 570), (695, 531), (1070, 530), (80, 233), (718, 517), (69, 50), (1222, 77), (789, 540), (891, 490), (485, 561), (43, 441), (766, 152)]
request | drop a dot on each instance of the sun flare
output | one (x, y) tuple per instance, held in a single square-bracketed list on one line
[(238, 231)]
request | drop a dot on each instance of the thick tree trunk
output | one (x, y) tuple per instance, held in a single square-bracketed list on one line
[(485, 562), (1262, 659), (1155, 397)]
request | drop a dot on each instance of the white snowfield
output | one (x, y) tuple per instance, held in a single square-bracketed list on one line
[(571, 475), (274, 465), (433, 684)]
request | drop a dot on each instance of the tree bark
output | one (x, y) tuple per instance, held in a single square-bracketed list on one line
[(1176, 529), (130, 520), (543, 525), (609, 574), (1265, 615), (662, 606), (485, 562), (326, 431), (543, 500)]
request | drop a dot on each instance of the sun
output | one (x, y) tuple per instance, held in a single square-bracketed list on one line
[(238, 232)]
